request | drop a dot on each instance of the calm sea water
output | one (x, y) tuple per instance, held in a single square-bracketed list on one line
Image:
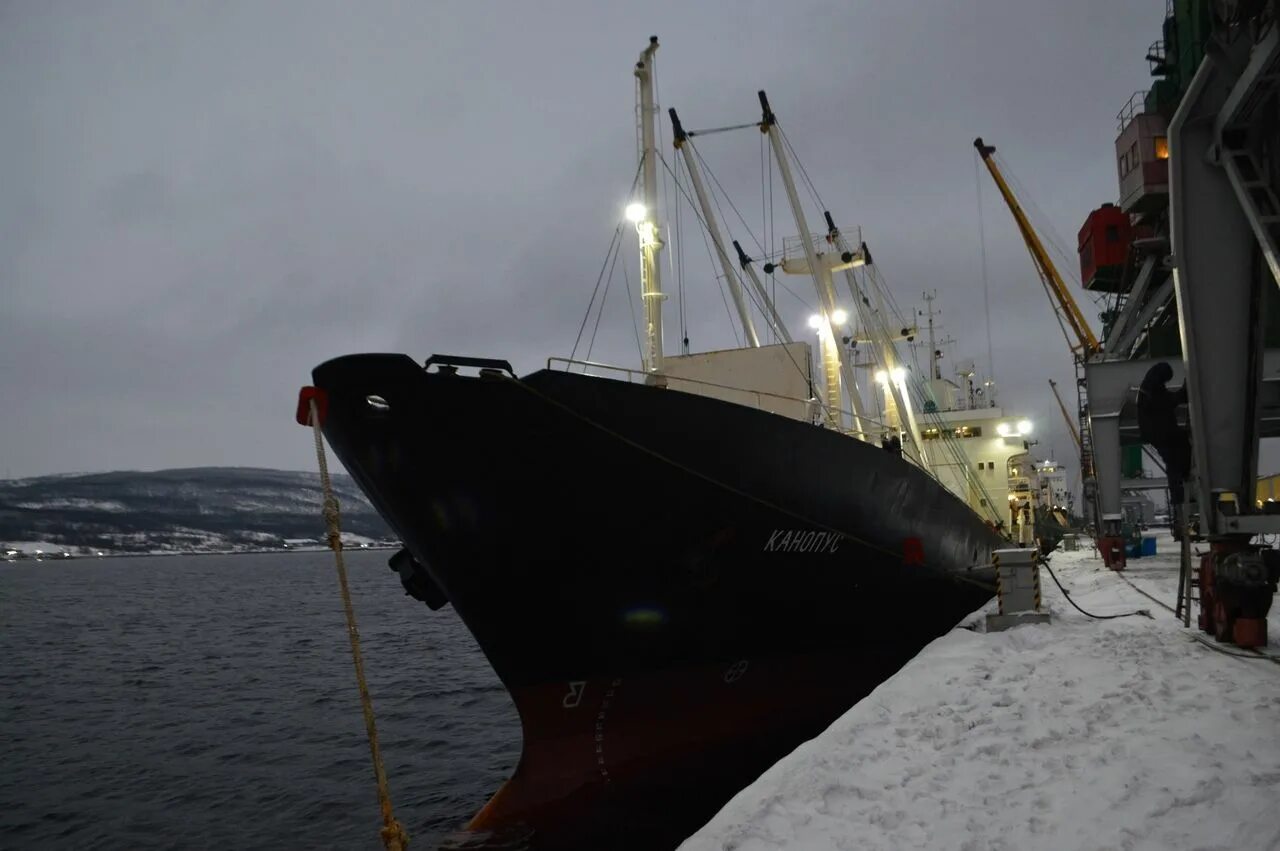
[(209, 702)]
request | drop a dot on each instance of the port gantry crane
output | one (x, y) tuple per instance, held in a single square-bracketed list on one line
[(1224, 205), (1205, 176), (1081, 341)]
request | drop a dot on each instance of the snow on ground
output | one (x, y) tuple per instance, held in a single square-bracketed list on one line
[(30, 547), (109, 505), (1080, 734)]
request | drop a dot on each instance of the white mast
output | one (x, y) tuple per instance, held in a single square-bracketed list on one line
[(834, 369), (684, 146), (897, 383), (642, 214), (893, 376)]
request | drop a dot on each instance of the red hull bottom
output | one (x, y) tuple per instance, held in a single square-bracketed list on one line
[(644, 761)]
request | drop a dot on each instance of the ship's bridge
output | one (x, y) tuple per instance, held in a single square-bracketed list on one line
[(986, 445)]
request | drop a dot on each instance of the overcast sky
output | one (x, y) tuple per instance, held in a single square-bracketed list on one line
[(201, 201)]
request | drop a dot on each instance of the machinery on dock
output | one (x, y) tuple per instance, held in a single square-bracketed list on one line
[(1186, 260), (1223, 217), (1187, 264)]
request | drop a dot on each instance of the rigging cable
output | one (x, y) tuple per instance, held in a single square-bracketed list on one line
[(813, 190), (631, 305), (698, 215), (722, 286), (716, 200), (767, 255), (707, 168), (600, 313), (1041, 221), (614, 245), (1072, 344), (916, 393)]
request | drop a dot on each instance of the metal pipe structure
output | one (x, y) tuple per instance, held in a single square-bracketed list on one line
[(1214, 279), (834, 367), (646, 227), (1086, 343), (882, 340), (1223, 203), (770, 309), (895, 373), (685, 147)]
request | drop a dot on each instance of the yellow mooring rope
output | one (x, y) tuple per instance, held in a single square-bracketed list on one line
[(393, 836)]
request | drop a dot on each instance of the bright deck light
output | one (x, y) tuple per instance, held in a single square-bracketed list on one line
[(899, 374), (636, 212), (1004, 429), (815, 321), (882, 376), (1024, 426), (839, 317)]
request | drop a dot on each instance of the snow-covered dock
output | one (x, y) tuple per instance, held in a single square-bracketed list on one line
[(1081, 734)]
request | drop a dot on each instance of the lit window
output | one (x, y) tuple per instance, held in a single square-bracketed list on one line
[(1162, 148)]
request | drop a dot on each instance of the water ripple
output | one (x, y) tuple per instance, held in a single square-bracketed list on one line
[(209, 702)]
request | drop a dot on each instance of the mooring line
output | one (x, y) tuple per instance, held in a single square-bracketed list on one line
[(393, 836)]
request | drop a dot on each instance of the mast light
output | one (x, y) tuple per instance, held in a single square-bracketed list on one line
[(839, 316), (636, 212)]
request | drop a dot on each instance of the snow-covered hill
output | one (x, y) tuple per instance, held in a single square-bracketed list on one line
[(201, 509)]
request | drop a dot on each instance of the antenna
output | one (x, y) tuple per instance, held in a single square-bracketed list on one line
[(933, 350)]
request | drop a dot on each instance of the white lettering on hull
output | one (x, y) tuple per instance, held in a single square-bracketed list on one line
[(802, 541)]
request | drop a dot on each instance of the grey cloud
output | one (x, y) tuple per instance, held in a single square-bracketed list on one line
[(202, 201)]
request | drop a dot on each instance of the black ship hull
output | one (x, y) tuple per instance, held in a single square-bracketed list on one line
[(676, 590)]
